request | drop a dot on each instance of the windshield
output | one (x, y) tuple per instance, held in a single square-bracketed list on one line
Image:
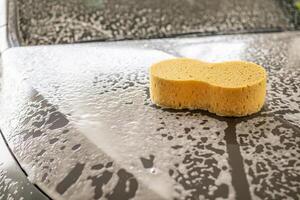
[(69, 21)]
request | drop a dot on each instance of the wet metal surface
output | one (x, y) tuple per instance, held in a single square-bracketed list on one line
[(52, 22), (83, 126), (13, 182)]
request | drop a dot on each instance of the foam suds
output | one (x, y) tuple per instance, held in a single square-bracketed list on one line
[(91, 132)]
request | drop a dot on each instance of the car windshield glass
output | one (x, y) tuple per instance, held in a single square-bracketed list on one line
[(69, 21)]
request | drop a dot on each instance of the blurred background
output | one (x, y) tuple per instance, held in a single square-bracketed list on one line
[(53, 22)]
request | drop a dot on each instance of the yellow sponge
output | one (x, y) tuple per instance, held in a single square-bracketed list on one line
[(234, 88)]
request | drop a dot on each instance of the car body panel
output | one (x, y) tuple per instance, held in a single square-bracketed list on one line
[(79, 120)]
